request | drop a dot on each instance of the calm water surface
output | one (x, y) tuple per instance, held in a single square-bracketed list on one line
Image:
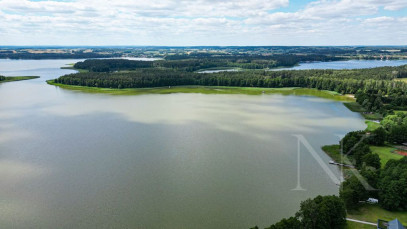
[(350, 64), (219, 70), (76, 160)]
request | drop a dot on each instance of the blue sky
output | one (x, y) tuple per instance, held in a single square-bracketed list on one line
[(203, 22)]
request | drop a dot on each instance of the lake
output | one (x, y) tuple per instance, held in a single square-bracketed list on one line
[(349, 64), (70, 159), (219, 70)]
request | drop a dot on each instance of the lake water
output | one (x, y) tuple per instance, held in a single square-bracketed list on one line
[(219, 70), (78, 160), (350, 64)]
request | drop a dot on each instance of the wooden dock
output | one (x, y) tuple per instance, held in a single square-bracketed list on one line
[(340, 164)]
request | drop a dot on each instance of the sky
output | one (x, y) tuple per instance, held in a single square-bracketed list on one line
[(203, 22)]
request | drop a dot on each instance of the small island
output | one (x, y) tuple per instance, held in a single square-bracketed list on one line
[(4, 79)]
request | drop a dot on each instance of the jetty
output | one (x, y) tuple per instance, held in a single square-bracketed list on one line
[(340, 164)]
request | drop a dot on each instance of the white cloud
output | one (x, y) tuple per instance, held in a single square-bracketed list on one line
[(197, 22)]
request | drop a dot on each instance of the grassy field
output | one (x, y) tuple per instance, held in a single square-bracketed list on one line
[(18, 78), (371, 126), (401, 79), (374, 116), (371, 213), (333, 151), (208, 90), (385, 153), (353, 225)]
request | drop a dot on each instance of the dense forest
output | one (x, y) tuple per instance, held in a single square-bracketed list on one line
[(2, 78), (196, 61), (110, 65)]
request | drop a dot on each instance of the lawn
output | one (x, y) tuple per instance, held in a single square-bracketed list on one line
[(371, 126), (333, 151), (373, 116), (385, 153), (354, 225), (371, 213)]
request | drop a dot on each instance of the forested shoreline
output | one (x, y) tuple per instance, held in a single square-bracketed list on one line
[(194, 62), (376, 89)]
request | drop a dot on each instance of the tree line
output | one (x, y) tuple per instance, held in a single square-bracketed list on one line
[(110, 65), (375, 89), (320, 212), (196, 61)]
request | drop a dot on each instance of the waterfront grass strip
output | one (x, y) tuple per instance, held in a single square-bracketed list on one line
[(18, 78), (208, 90)]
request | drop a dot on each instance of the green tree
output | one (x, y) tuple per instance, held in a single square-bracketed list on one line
[(322, 212), (378, 137), (352, 191), (372, 160), (398, 134), (359, 152), (290, 223), (393, 185), (351, 140)]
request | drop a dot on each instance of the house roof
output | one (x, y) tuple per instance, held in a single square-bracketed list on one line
[(395, 224)]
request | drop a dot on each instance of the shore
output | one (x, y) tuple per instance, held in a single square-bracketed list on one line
[(209, 90), (18, 78)]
